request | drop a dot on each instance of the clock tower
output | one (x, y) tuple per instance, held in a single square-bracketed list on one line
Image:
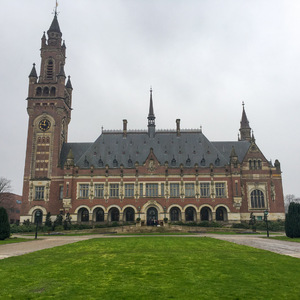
[(49, 109)]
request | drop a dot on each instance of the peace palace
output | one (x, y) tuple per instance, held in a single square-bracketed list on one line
[(126, 175)]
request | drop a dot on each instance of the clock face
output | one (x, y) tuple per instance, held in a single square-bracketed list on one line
[(44, 125)]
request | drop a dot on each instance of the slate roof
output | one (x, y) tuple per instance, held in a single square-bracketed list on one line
[(54, 27), (191, 147)]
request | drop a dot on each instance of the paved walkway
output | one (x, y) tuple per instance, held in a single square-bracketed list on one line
[(277, 246), (281, 247)]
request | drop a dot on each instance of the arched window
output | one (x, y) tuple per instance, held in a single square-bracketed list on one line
[(46, 91), (205, 214), (38, 91), (175, 214), (52, 91), (257, 199), (49, 70), (202, 163)]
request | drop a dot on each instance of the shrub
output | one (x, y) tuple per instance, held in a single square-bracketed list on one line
[(292, 221), (4, 224), (243, 225)]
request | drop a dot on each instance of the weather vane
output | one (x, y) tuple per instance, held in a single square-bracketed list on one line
[(55, 9)]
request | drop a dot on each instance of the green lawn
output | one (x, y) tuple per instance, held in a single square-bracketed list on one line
[(13, 240), (150, 267)]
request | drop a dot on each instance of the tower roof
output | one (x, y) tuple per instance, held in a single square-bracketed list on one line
[(151, 110), (69, 84), (33, 72), (244, 120), (54, 27)]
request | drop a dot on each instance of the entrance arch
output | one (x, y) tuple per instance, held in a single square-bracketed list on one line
[(221, 214), (175, 214), (83, 215), (38, 217), (129, 214), (190, 214), (99, 214), (152, 215), (114, 215), (205, 214)]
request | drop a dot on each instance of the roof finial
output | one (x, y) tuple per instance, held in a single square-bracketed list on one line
[(243, 103), (55, 10)]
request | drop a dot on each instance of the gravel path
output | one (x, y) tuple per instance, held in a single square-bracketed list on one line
[(281, 247)]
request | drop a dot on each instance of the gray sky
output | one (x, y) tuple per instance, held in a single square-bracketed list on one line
[(202, 58)]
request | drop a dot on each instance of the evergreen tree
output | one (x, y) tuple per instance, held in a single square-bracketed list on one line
[(48, 221), (292, 221), (4, 224)]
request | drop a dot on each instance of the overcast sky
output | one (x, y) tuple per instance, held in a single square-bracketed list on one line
[(202, 58)]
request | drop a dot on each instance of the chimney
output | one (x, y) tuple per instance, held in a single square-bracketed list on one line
[(178, 127), (125, 128)]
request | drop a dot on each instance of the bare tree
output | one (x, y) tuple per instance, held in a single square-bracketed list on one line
[(289, 199), (5, 186)]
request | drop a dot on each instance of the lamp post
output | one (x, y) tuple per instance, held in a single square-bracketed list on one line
[(37, 217), (266, 212)]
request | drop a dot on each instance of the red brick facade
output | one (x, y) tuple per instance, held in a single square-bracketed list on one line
[(179, 174)]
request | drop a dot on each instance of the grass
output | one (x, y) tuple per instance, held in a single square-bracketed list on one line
[(150, 267), (285, 238), (13, 240)]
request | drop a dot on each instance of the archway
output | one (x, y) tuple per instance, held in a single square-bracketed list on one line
[(175, 214), (114, 214), (83, 215), (129, 214), (205, 214), (38, 217), (221, 214), (152, 216), (190, 214), (99, 215)]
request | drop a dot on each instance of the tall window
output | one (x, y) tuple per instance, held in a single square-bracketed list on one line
[(49, 72), (204, 189), (39, 193), (162, 187), (114, 190), (129, 190), (141, 190), (61, 192), (83, 191), (99, 190), (220, 190), (174, 189), (151, 189), (257, 199), (189, 190)]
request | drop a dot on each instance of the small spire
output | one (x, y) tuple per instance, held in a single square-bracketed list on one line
[(33, 72), (69, 84), (245, 129), (151, 117), (62, 71), (151, 111), (244, 120), (233, 153), (54, 27), (70, 154)]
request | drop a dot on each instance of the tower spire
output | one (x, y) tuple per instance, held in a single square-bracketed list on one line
[(245, 129), (151, 117)]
